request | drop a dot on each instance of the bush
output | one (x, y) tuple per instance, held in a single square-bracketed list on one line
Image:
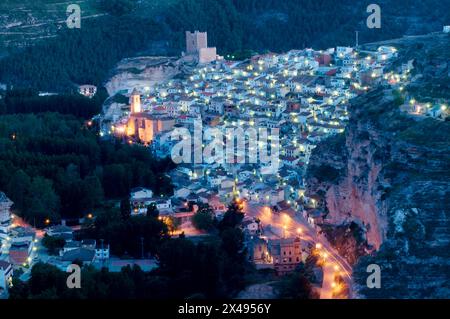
[(204, 219), (53, 244)]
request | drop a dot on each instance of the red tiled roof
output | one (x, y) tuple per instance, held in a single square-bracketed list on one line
[(18, 257)]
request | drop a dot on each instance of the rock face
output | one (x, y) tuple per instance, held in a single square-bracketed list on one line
[(394, 182), (356, 196), (142, 72)]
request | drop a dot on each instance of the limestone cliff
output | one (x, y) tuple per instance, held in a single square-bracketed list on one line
[(391, 177), (142, 72)]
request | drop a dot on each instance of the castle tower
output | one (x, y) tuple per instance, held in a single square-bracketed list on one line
[(196, 41), (135, 102)]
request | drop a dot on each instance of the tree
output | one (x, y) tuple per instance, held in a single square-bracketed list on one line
[(204, 218), (20, 290), (296, 286), (43, 202), (53, 244), (125, 208), (46, 276), (175, 255), (116, 180), (92, 193), (18, 189), (233, 243), (172, 223), (117, 7), (152, 210), (233, 217)]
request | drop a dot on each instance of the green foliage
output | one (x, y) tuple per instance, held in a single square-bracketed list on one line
[(43, 202), (233, 216), (324, 173), (53, 244), (117, 7), (399, 99), (78, 56), (152, 210), (28, 101), (125, 236), (235, 27), (52, 166), (296, 286), (428, 132), (212, 269), (125, 208), (204, 218)]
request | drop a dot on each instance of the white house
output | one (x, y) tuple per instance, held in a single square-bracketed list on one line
[(343, 51), (446, 29), (5, 215), (6, 274), (87, 90), (141, 193), (102, 253), (140, 199)]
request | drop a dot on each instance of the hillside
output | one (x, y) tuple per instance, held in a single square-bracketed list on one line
[(394, 180), (46, 55)]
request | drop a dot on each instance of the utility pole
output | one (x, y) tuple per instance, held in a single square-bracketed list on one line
[(357, 39)]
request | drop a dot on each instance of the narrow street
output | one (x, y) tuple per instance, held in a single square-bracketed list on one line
[(290, 224)]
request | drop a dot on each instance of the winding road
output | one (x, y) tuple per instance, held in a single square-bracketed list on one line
[(289, 223)]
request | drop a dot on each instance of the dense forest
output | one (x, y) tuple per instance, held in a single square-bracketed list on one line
[(216, 267), (29, 101), (86, 55), (78, 56), (211, 269), (54, 166)]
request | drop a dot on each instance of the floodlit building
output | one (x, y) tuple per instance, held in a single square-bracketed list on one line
[(197, 45), (286, 254), (87, 90), (135, 102), (144, 126), (6, 274), (5, 215)]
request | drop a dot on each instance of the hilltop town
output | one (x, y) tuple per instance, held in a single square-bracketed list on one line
[(304, 94)]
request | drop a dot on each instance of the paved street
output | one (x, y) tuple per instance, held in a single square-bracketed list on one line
[(289, 223)]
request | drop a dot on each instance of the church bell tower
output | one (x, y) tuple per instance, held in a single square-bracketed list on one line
[(135, 102)]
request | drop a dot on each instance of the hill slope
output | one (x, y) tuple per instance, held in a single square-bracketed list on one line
[(395, 181)]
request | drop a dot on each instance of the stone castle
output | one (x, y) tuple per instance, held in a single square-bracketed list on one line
[(197, 47)]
